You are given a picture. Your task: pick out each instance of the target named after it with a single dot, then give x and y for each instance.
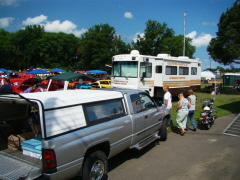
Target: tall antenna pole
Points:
(184, 29)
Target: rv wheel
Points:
(95, 166)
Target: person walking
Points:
(6, 85)
(182, 113)
(192, 100)
(168, 102)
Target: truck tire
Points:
(163, 131)
(95, 166)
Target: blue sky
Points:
(128, 17)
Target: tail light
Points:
(204, 115)
(49, 158)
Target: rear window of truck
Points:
(103, 111)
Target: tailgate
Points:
(14, 167)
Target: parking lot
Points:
(200, 155)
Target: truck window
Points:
(193, 71)
(171, 70)
(147, 68)
(146, 102)
(158, 69)
(183, 71)
(103, 111)
(136, 103)
(141, 102)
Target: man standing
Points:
(168, 102)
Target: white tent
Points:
(209, 74)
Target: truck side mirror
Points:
(143, 76)
(159, 103)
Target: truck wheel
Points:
(163, 131)
(95, 166)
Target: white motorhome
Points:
(151, 73)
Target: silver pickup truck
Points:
(63, 134)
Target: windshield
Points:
(125, 69)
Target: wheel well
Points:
(167, 117)
(104, 147)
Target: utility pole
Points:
(184, 30)
(210, 58)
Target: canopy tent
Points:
(3, 70)
(209, 74)
(58, 70)
(97, 72)
(37, 71)
(67, 76)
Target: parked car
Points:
(103, 84)
(75, 131)
(20, 85)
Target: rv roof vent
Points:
(163, 55)
(183, 57)
(135, 52)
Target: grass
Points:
(225, 103)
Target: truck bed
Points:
(14, 165)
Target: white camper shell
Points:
(69, 130)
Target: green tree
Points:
(26, 49)
(59, 50)
(154, 35)
(225, 48)
(174, 46)
(5, 50)
(98, 45)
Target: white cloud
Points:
(202, 40)
(78, 32)
(135, 37)
(55, 26)
(9, 3)
(65, 26)
(35, 20)
(128, 15)
(5, 22)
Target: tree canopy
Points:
(158, 38)
(33, 46)
(225, 48)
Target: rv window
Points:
(193, 71)
(158, 69)
(183, 71)
(147, 68)
(125, 69)
(171, 70)
(104, 111)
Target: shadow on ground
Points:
(233, 107)
(128, 155)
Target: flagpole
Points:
(184, 30)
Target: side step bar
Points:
(140, 145)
